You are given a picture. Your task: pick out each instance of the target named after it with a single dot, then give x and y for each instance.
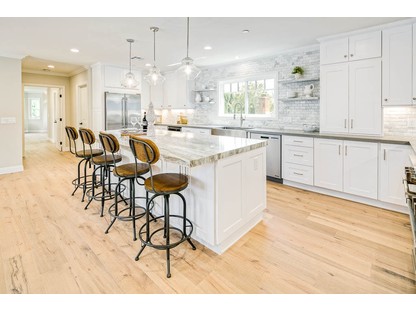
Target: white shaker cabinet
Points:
(351, 97)
(334, 98)
(392, 160)
(328, 164)
(352, 48)
(176, 91)
(397, 66)
(414, 63)
(346, 166)
(113, 76)
(365, 114)
(360, 168)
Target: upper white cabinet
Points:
(176, 91)
(352, 169)
(392, 160)
(351, 97)
(113, 76)
(353, 48)
(397, 66)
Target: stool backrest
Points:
(87, 138)
(144, 149)
(109, 142)
(72, 134)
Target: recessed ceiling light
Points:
(147, 65)
(245, 31)
(51, 66)
(74, 50)
(207, 47)
(237, 57)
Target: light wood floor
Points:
(307, 243)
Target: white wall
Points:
(11, 106)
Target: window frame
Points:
(246, 79)
(37, 101)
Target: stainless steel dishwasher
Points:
(273, 153)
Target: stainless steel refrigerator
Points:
(119, 108)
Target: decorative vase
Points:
(198, 97)
(297, 76)
(151, 120)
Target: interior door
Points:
(83, 106)
(56, 98)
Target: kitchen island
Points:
(226, 195)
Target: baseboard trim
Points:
(355, 198)
(12, 169)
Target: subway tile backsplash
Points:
(291, 114)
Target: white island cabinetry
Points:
(226, 195)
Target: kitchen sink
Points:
(230, 131)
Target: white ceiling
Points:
(103, 39)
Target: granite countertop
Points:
(193, 150)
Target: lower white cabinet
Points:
(328, 164)
(347, 166)
(198, 131)
(360, 168)
(392, 160)
(297, 159)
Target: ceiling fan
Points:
(179, 63)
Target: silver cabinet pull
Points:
(384, 154)
(297, 141)
(346, 150)
(352, 123)
(297, 155)
(297, 173)
(339, 149)
(345, 123)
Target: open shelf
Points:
(313, 98)
(293, 80)
(204, 90)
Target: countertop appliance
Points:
(410, 190)
(273, 154)
(119, 108)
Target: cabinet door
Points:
(360, 168)
(113, 76)
(156, 94)
(392, 160)
(334, 98)
(169, 91)
(397, 66)
(365, 97)
(364, 46)
(414, 64)
(334, 51)
(328, 158)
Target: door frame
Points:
(63, 106)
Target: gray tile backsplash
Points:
(291, 114)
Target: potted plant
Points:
(297, 71)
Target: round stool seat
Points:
(89, 153)
(166, 183)
(131, 170)
(106, 159)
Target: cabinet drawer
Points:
(201, 131)
(298, 155)
(298, 141)
(298, 173)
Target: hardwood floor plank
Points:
(306, 243)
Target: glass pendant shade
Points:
(188, 69)
(129, 80)
(154, 77)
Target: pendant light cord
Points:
(154, 47)
(130, 57)
(187, 37)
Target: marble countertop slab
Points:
(193, 150)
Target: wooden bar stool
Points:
(131, 172)
(103, 164)
(86, 155)
(163, 184)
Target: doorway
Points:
(82, 109)
(44, 114)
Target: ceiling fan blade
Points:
(179, 63)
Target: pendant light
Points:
(188, 68)
(154, 76)
(129, 80)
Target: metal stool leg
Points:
(148, 202)
(184, 221)
(167, 233)
(133, 207)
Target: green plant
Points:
(297, 70)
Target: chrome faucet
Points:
(241, 113)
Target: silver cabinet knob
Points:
(345, 56)
(414, 99)
(351, 55)
(385, 100)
